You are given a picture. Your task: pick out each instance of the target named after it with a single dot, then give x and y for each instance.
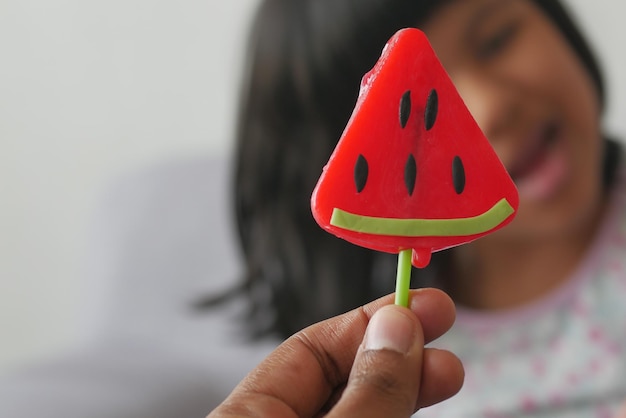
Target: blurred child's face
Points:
(535, 102)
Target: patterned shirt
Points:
(563, 355)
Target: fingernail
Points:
(389, 329)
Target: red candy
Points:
(412, 169)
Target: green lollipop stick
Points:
(403, 278)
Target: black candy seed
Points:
(410, 174)
(361, 170)
(432, 107)
(405, 108)
(458, 175)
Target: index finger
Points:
(301, 374)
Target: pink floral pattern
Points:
(562, 356)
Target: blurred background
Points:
(92, 90)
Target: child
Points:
(541, 327)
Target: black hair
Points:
(306, 60)
(568, 26)
(301, 82)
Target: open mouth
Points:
(534, 156)
(542, 166)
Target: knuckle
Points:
(382, 382)
(377, 376)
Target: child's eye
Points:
(497, 42)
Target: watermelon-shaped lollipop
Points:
(412, 173)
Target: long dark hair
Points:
(305, 62)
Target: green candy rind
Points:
(423, 227)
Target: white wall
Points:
(603, 21)
(89, 89)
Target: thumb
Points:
(393, 374)
(387, 371)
